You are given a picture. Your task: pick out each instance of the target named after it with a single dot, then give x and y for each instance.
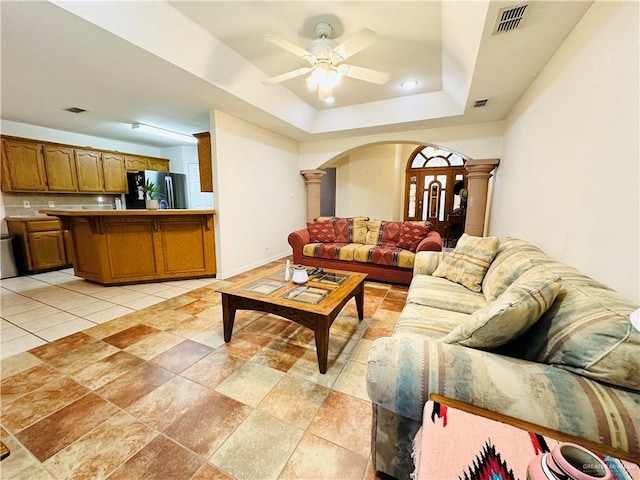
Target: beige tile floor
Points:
(40, 308)
(156, 393)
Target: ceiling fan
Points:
(325, 57)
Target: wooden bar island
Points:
(116, 247)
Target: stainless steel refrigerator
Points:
(173, 189)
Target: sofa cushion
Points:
(508, 264)
(511, 314)
(441, 293)
(469, 262)
(321, 231)
(383, 233)
(390, 256)
(586, 330)
(349, 229)
(427, 321)
(412, 233)
(333, 251)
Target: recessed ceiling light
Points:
(409, 84)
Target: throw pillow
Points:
(511, 314)
(321, 232)
(412, 234)
(469, 261)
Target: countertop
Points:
(125, 213)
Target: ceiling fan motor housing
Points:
(324, 30)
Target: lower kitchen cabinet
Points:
(130, 246)
(42, 242)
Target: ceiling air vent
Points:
(510, 18)
(75, 109)
(480, 103)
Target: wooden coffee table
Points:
(314, 305)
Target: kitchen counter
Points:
(130, 246)
(116, 213)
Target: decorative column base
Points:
(478, 175)
(312, 180)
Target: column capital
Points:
(312, 176)
(480, 168)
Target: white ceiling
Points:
(168, 64)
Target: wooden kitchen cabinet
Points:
(89, 170)
(37, 166)
(130, 246)
(23, 167)
(159, 164)
(204, 161)
(135, 163)
(61, 168)
(115, 173)
(42, 242)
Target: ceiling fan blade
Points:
(289, 47)
(286, 76)
(366, 74)
(357, 42)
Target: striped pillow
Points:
(511, 314)
(469, 262)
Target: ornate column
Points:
(312, 180)
(478, 175)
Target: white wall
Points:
(569, 171)
(259, 194)
(478, 141)
(369, 182)
(45, 134)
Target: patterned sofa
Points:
(384, 250)
(529, 341)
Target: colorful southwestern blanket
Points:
(452, 444)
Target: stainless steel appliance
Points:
(173, 189)
(8, 267)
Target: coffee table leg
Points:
(322, 345)
(359, 295)
(228, 316)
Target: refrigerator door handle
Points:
(169, 184)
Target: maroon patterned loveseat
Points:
(385, 250)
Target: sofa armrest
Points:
(403, 371)
(431, 243)
(298, 240)
(426, 263)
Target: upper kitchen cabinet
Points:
(136, 163)
(89, 169)
(159, 164)
(38, 166)
(115, 174)
(61, 168)
(204, 161)
(22, 166)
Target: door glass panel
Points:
(441, 210)
(412, 200)
(434, 200)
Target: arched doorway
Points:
(435, 191)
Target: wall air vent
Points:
(510, 18)
(75, 109)
(480, 103)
